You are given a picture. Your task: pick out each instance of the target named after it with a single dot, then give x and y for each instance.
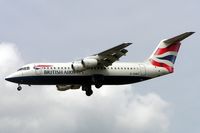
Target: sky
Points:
(66, 30)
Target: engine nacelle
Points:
(67, 87)
(84, 64)
(87, 62)
(77, 66)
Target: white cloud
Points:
(9, 57)
(145, 113)
(44, 109)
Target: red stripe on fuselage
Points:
(42, 66)
(173, 47)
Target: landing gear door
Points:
(142, 70)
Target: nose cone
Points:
(14, 77)
(7, 78)
(10, 78)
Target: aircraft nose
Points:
(14, 77)
(9, 78)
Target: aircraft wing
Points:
(111, 55)
(103, 59)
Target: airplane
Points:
(101, 69)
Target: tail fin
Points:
(166, 52)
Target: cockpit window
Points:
(19, 69)
(24, 68)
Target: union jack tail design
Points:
(166, 52)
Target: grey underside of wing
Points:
(111, 55)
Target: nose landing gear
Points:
(19, 88)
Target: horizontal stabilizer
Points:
(178, 38)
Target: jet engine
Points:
(89, 62)
(77, 66)
(67, 87)
(84, 64)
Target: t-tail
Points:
(166, 52)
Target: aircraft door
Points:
(38, 70)
(142, 69)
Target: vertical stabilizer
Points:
(166, 52)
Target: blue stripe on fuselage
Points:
(55, 80)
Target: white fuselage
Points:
(63, 74)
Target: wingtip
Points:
(127, 43)
(179, 37)
(190, 33)
(187, 34)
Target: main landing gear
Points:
(19, 88)
(96, 80)
(87, 89)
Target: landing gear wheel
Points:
(89, 92)
(88, 89)
(19, 88)
(97, 80)
(98, 86)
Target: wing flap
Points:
(111, 55)
(116, 48)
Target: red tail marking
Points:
(155, 63)
(173, 47)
